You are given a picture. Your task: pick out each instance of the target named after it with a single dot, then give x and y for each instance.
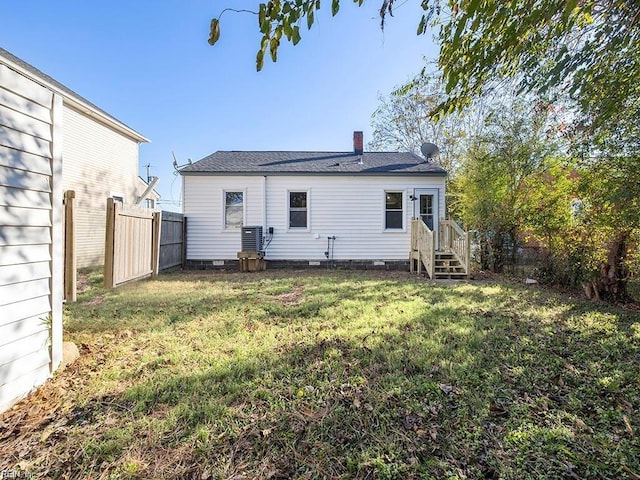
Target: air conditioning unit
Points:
(251, 239)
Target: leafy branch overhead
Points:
(278, 18)
(589, 49)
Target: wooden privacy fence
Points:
(132, 243)
(172, 240)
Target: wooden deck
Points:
(451, 260)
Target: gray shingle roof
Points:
(314, 163)
(63, 89)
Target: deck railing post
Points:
(467, 254)
(432, 262)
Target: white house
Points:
(51, 140)
(345, 207)
(99, 160)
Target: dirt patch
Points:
(94, 301)
(294, 297)
(82, 284)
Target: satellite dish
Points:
(429, 150)
(175, 162)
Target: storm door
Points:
(425, 207)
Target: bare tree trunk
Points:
(497, 253)
(612, 284)
(484, 253)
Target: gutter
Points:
(316, 174)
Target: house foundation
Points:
(234, 265)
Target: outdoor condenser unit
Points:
(251, 239)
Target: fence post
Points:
(108, 244)
(70, 270)
(155, 243)
(184, 242)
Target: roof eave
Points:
(98, 115)
(343, 174)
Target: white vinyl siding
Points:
(30, 235)
(349, 207)
(203, 200)
(98, 163)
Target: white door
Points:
(425, 207)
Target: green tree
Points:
(553, 221)
(494, 183)
(589, 50)
(610, 183)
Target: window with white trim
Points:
(298, 209)
(233, 209)
(394, 211)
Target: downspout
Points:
(264, 203)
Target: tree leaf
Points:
(273, 48)
(265, 27)
(335, 6)
(288, 30)
(421, 25)
(309, 19)
(295, 36)
(214, 31)
(259, 60)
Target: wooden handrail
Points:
(422, 247)
(455, 240)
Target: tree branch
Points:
(236, 11)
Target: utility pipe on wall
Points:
(264, 204)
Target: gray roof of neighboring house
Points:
(64, 90)
(312, 163)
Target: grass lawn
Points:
(335, 374)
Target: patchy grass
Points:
(335, 375)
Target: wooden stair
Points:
(447, 267)
(450, 262)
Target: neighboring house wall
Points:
(98, 162)
(350, 207)
(30, 235)
(100, 159)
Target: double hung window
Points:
(394, 211)
(298, 209)
(233, 209)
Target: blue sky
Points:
(149, 65)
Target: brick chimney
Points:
(357, 143)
